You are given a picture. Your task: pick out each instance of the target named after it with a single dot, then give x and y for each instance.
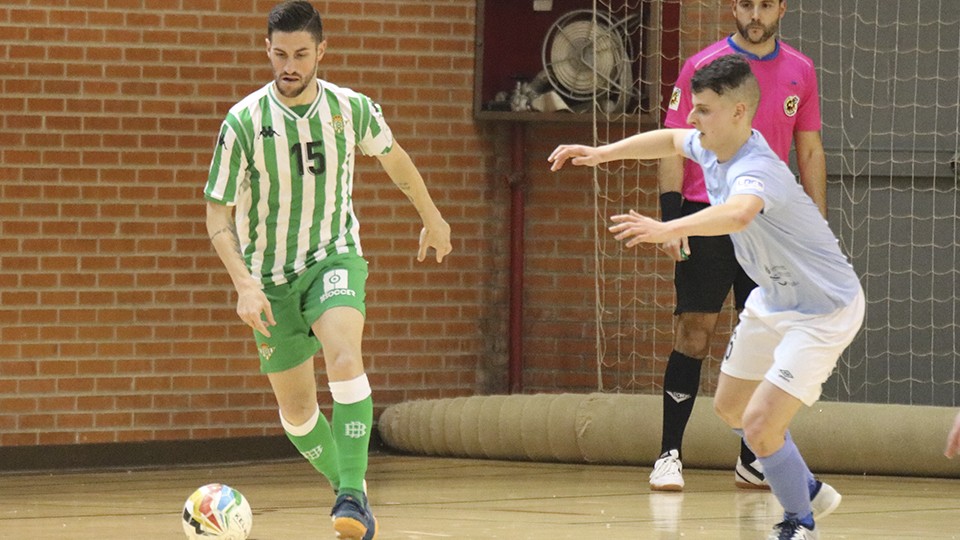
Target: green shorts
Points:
(335, 281)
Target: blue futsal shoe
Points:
(792, 529)
(353, 519)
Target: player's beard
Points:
(768, 31)
(295, 91)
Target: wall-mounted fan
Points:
(587, 57)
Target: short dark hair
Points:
(295, 16)
(723, 74)
(728, 74)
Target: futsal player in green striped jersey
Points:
(280, 216)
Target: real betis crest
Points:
(337, 124)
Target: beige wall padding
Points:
(850, 438)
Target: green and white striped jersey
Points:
(291, 176)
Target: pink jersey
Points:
(789, 101)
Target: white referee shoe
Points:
(667, 472)
(750, 476)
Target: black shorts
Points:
(704, 280)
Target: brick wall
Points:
(117, 320)
(704, 22)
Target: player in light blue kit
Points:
(808, 305)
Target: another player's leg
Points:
(804, 353)
(787, 473)
(748, 472)
(765, 423)
(296, 391)
(702, 283)
(287, 359)
(340, 330)
(824, 499)
(681, 382)
(755, 407)
(808, 351)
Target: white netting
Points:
(634, 287)
(890, 87)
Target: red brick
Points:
(108, 231)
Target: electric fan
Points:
(587, 58)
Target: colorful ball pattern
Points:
(217, 511)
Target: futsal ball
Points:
(217, 511)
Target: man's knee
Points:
(694, 333)
(297, 411)
(728, 410)
(343, 364)
(762, 437)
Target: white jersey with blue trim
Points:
(788, 249)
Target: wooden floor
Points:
(430, 498)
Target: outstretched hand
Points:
(634, 228)
(578, 154)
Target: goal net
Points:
(889, 76)
(890, 88)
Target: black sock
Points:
(680, 384)
(746, 454)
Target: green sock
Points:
(317, 446)
(351, 427)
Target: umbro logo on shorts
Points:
(785, 375)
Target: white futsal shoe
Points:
(667, 472)
(824, 500)
(750, 476)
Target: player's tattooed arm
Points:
(253, 308)
(404, 174)
(406, 189)
(223, 235)
(230, 232)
